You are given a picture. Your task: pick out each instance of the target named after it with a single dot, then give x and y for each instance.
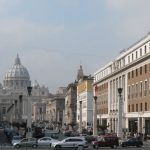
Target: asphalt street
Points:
(5, 145)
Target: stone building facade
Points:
(55, 107)
(71, 104)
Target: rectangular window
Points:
(128, 108)
(141, 107)
(145, 68)
(136, 54)
(140, 51)
(145, 106)
(136, 90)
(132, 91)
(132, 57)
(123, 61)
(129, 92)
(145, 49)
(132, 74)
(140, 70)
(136, 72)
(132, 107)
(141, 87)
(128, 75)
(136, 107)
(145, 88)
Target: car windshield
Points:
(100, 139)
(17, 138)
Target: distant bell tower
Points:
(80, 73)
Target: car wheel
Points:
(138, 145)
(80, 147)
(96, 146)
(115, 146)
(123, 145)
(34, 145)
(50, 145)
(17, 146)
(57, 147)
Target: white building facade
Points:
(85, 101)
(131, 72)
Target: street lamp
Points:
(20, 107)
(80, 123)
(95, 115)
(119, 133)
(29, 113)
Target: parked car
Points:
(46, 141)
(70, 142)
(26, 142)
(132, 142)
(106, 141)
(52, 134)
(16, 139)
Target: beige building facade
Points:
(55, 107)
(85, 101)
(70, 104)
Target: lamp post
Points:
(20, 107)
(119, 133)
(95, 115)
(29, 113)
(80, 123)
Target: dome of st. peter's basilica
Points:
(17, 77)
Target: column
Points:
(119, 133)
(143, 127)
(29, 113)
(126, 123)
(20, 108)
(63, 117)
(116, 121)
(58, 116)
(139, 127)
(95, 116)
(80, 122)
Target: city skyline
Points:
(53, 38)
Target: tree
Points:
(102, 128)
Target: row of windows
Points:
(138, 53)
(118, 64)
(102, 87)
(137, 107)
(102, 102)
(102, 111)
(139, 89)
(139, 71)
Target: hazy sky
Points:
(53, 37)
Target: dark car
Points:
(132, 142)
(106, 141)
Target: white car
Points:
(16, 139)
(70, 142)
(46, 141)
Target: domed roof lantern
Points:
(80, 73)
(17, 76)
(17, 60)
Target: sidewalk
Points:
(146, 143)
